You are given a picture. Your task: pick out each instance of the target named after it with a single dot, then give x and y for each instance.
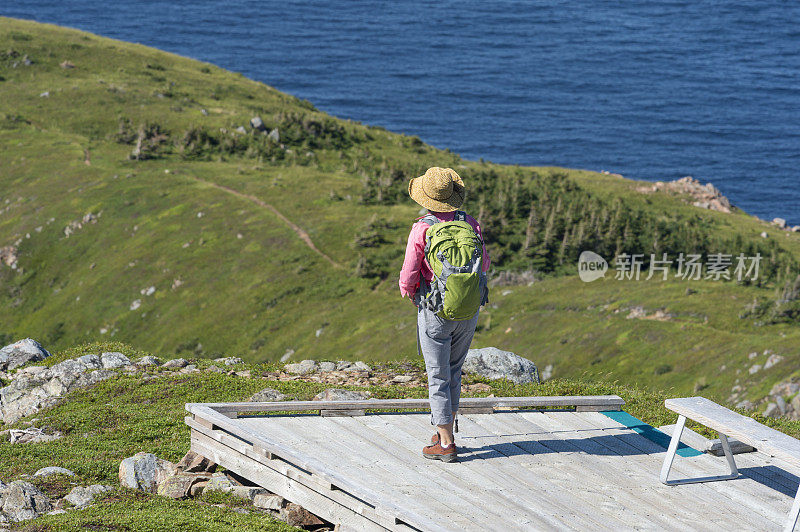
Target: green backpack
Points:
(455, 253)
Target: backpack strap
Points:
(429, 219)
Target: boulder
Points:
(772, 410)
(296, 515)
(780, 222)
(114, 360)
(327, 366)
(746, 405)
(183, 485)
(148, 361)
(772, 360)
(268, 501)
(257, 123)
(781, 404)
(22, 500)
(274, 135)
(338, 394)
(221, 482)
(301, 368)
(246, 492)
(53, 470)
(755, 368)
(195, 463)
(267, 395)
(492, 363)
(229, 361)
(144, 471)
(31, 435)
(20, 353)
(795, 403)
(80, 497)
(175, 363)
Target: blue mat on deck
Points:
(649, 432)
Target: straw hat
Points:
(438, 190)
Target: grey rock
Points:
(780, 222)
(755, 368)
(91, 361)
(21, 353)
(772, 410)
(267, 395)
(257, 123)
(114, 360)
(100, 375)
(547, 372)
(301, 368)
(245, 492)
(327, 366)
(189, 368)
(214, 369)
(148, 361)
(144, 471)
(220, 482)
(274, 135)
(342, 365)
(492, 363)
(361, 366)
(752, 355)
(338, 394)
(22, 500)
(31, 435)
(795, 403)
(268, 501)
(175, 363)
(53, 470)
(782, 406)
(241, 130)
(772, 360)
(229, 361)
(79, 497)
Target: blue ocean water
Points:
(651, 90)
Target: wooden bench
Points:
(730, 424)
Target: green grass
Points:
(266, 292)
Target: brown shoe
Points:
(437, 452)
(435, 438)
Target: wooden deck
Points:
(518, 470)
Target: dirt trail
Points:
(261, 203)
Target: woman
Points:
(443, 342)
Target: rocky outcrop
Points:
(704, 196)
(492, 363)
(9, 256)
(36, 387)
(20, 353)
(76, 225)
(81, 497)
(267, 395)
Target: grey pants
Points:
(444, 345)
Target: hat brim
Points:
(451, 204)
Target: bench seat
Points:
(731, 424)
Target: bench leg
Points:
(794, 513)
(673, 448)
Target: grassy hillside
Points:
(254, 246)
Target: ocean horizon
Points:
(649, 91)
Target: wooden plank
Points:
(626, 471)
(760, 501)
(341, 413)
(309, 480)
(447, 479)
(631, 466)
(743, 428)
(605, 402)
(573, 479)
(383, 505)
(496, 497)
(291, 490)
(354, 458)
(536, 493)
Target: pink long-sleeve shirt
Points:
(415, 262)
